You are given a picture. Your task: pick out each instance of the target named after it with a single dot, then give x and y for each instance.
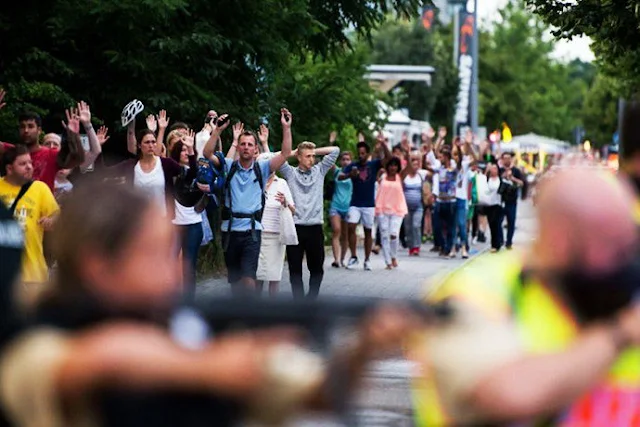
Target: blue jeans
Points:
(447, 215)
(413, 228)
(460, 229)
(190, 239)
(510, 211)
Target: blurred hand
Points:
(163, 120)
(281, 199)
(263, 134)
(238, 128)
(46, 222)
(189, 138)
(152, 124)
(103, 134)
(354, 173)
(442, 132)
(73, 120)
(84, 113)
(333, 136)
(286, 118)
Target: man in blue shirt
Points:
(364, 174)
(243, 199)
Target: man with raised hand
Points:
(243, 198)
(307, 188)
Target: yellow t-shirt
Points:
(37, 203)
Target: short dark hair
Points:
(178, 125)
(506, 153)
(363, 144)
(393, 161)
(249, 133)
(397, 147)
(11, 154)
(30, 115)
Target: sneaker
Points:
(353, 263)
(482, 238)
(367, 265)
(424, 238)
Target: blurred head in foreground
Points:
(587, 239)
(113, 245)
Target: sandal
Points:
(335, 265)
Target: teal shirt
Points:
(342, 193)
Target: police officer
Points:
(548, 333)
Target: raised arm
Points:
(95, 148)
(132, 144)
(209, 149)
(163, 123)
(238, 128)
(72, 154)
(330, 156)
(263, 135)
(279, 159)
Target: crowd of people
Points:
(547, 333)
(451, 193)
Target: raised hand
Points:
(468, 137)
(2, 94)
(431, 133)
(280, 198)
(442, 132)
(189, 138)
(163, 120)
(73, 120)
(263, 134)
(84, 113)
(103, 134)
(222, 122)
(285, 118)
(238, 128)
(152, 124)
(333, 136)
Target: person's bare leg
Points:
(273, 288)
(368, 243)
(353, 240)
(336, 225)
(344, 241)
(248, 283)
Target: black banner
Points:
(467, 32)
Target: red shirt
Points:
(45, 164)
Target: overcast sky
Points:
(577, 48)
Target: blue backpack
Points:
(212, 176)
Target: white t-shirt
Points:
(494, 198)
(271, 214)
(152, 183)
(462, 181)
(186, 216)
(417, 179)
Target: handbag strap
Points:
(21, 193)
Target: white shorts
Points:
(271, 259)
(364, 216)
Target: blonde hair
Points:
(306, 145)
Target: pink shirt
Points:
(390, 199)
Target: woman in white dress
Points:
(272, 250)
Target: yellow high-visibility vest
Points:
(545, 326)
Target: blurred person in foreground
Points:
(549, 333)
(100, 352)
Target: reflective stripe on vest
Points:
(493, 283)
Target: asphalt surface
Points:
(384, 398)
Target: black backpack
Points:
(227, 212)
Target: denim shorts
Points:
(335, 212)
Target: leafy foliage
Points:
(521, 85)
(185, 56)
(611, 25)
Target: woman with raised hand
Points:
(391, 208)
(190, 203)
(152, 173)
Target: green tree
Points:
(600, 112)
(408, 43)
(519, 82)
(186, 56)
(611, 25)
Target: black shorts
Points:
(480, 210)
(241, 257)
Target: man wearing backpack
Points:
(243, 199)
(32, 204)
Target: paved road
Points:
(384, 399)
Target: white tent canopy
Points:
(533, 143)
